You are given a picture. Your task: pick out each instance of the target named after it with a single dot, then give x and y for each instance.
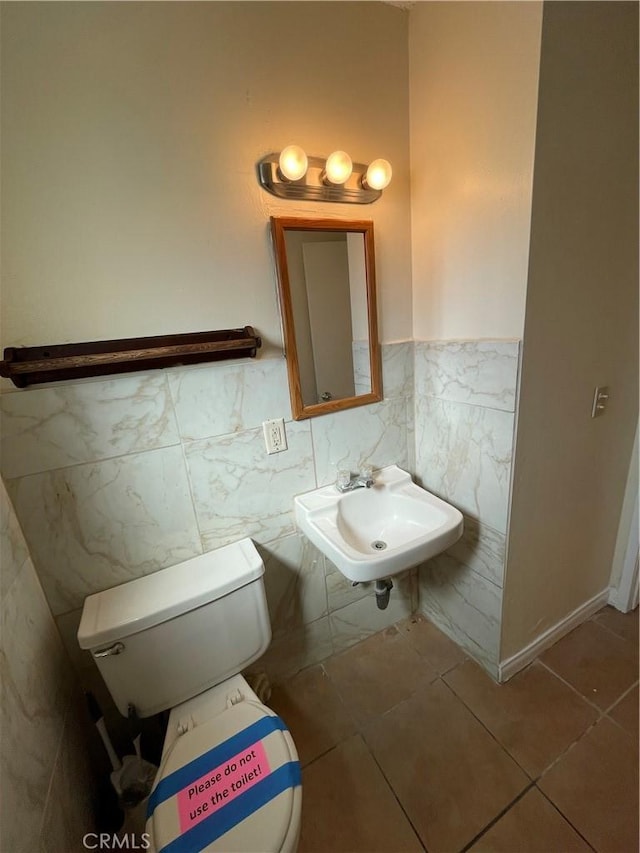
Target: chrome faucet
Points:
(347, 482)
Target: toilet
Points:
(229, 778)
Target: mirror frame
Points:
(279, 226)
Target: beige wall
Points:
(582, 320)
(130, 204)
(473, 83)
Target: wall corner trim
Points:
(509, 667)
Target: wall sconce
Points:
(291, 174)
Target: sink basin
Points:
(370, 534)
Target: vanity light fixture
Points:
(291, 174)
(338, 168)
(378, 175)
(293, 163)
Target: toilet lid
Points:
(227, 784)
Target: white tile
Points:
(47, 428)
(375, 434)
(397, 369)
(483, 373)
(302, 648)
(226, 398)
(361, 367)
(94, 526)
(482, 549)
(294, 582)
(67, 625)
(239, 490)
(341, 591)
(463, 454)
(466, 606)
(13, 548)
(411, 435)
(362, 618)
(69, 812)
(35, 687)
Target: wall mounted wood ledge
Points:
(30, 365)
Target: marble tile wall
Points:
(41, 808)
(116, 478)
(465, 401)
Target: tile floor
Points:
(407, 745)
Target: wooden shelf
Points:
(30, 365)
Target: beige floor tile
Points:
(348, 807)
(595, 786)
(313, 711)
(600, 665)
(441, 653)
(451, 777)
(625, 713)
(532, 825)
(517, 713)
(625, 625)
(376, 674)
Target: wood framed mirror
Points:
(327, 291)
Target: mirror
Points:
(327, 290)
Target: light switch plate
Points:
(600, 400)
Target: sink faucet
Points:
(347, 481)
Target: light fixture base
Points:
(311, 188)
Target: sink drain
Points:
(378, 545)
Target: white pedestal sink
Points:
(371, 534)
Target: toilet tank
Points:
(164, 638)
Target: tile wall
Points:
(116, 478)
(465, 400)
(45, 778)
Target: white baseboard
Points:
(509, 667)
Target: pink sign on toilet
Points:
(221, 785)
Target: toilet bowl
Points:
(229, 778)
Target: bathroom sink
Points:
(373, 533)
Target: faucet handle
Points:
(344, 478)
(366, 472)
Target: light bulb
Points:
(293, 163)
(378, 175)
(338, 167)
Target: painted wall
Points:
(582, 320)
(131, 133)
(473, 84)
(45, 780)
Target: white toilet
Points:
(229, 778)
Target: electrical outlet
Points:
(275, 437)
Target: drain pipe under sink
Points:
(383, 591)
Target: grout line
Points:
(450, 402)
(362, 724)
(564, 817)
(498, 816)
(393, 792)
(570, 686)
(97, 461)
(327, 751)
(187, 467)
(621, 697)
(593, 705)
(489, 732)
(606, 627)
